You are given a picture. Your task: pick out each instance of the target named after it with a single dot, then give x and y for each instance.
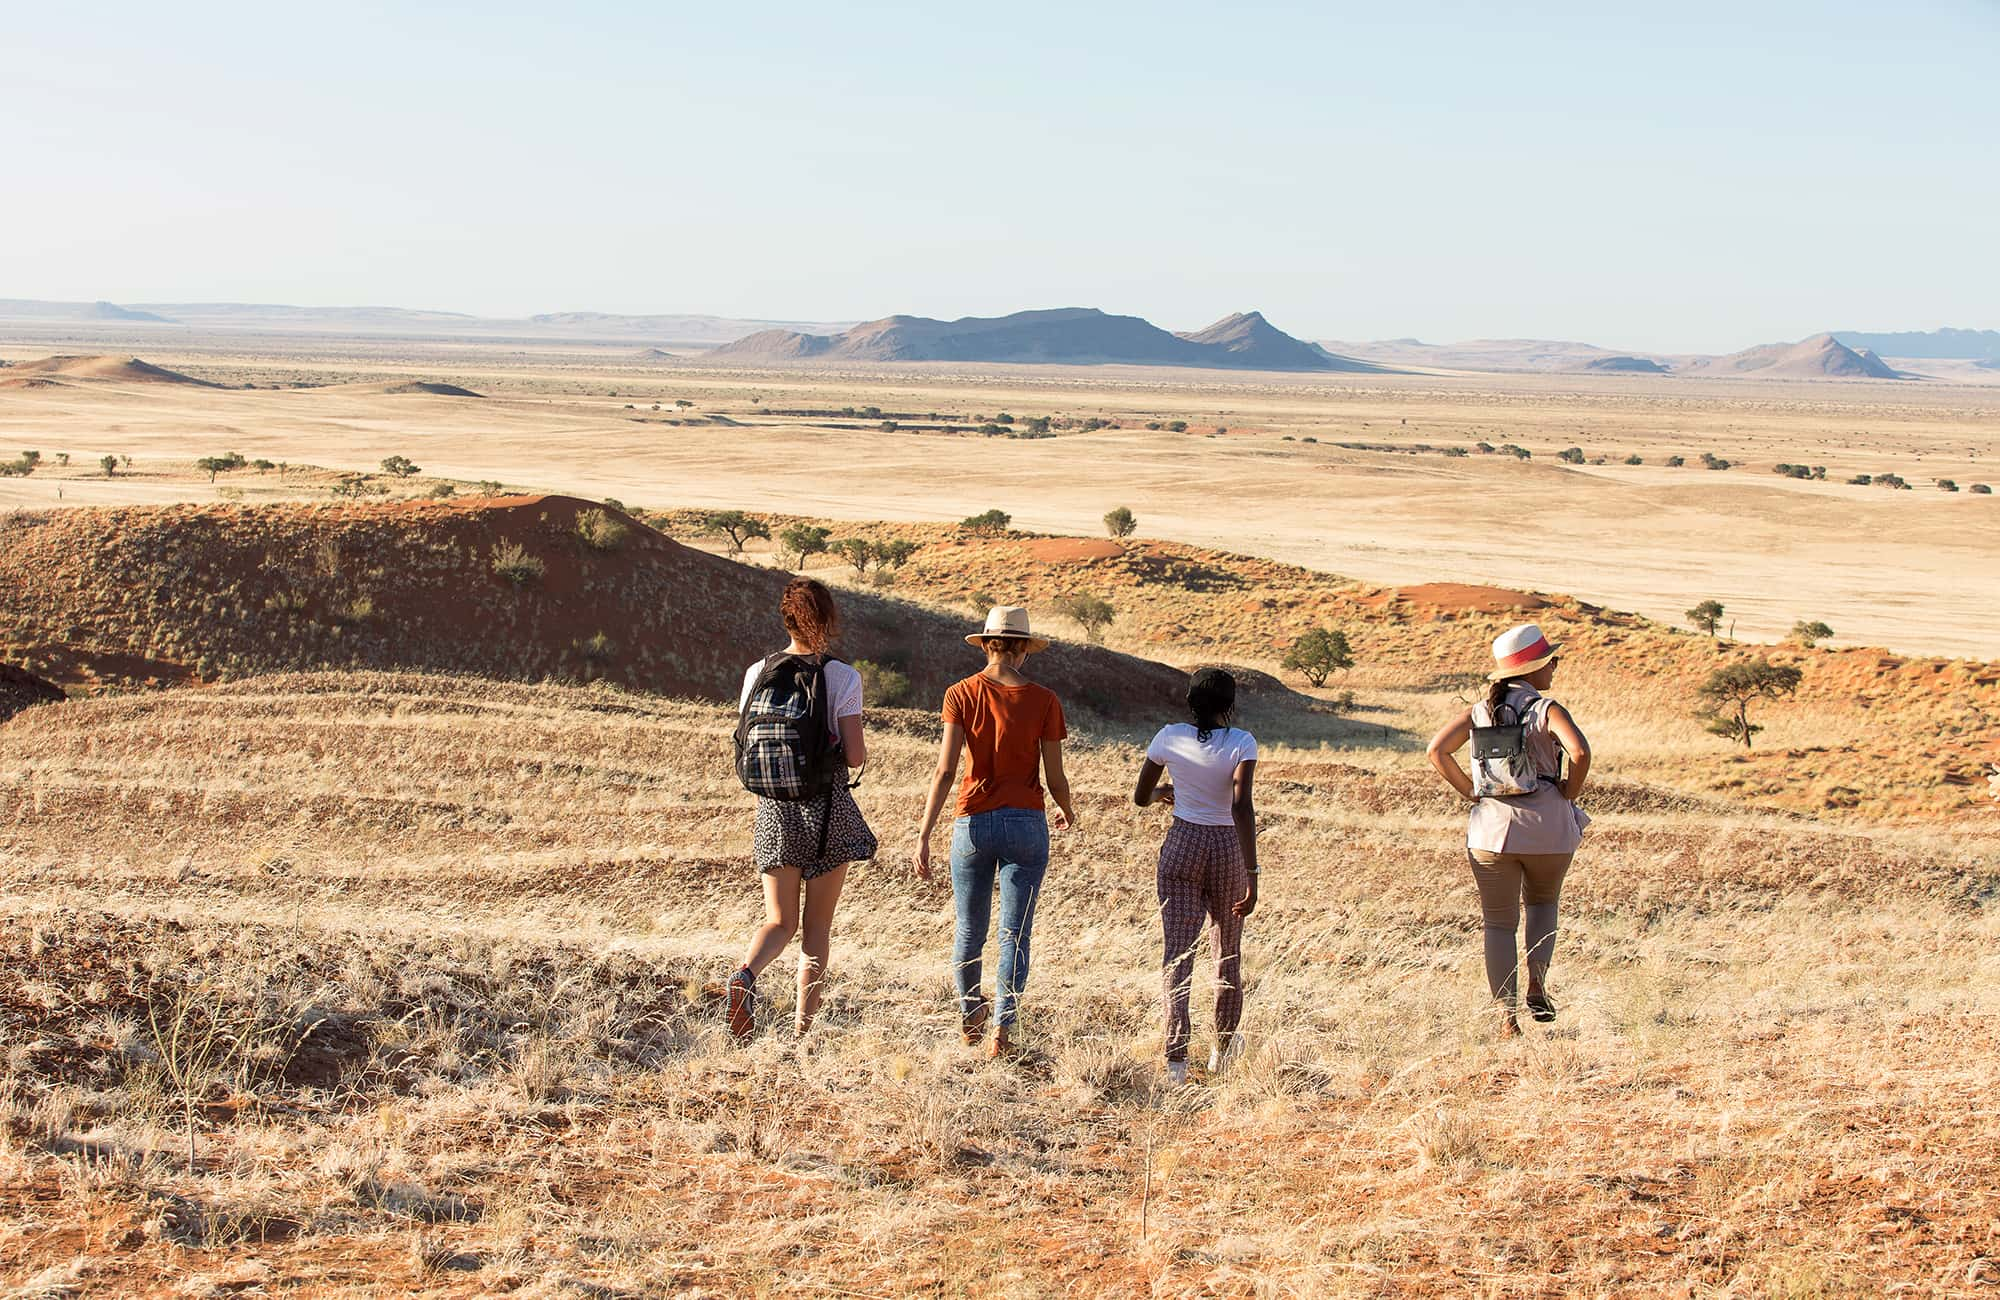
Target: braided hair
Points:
(1211, 698)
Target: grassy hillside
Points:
(459, 940)
(1870, 735)
(522, 588)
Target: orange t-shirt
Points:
(1004, 730)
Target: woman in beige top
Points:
(1521, 844)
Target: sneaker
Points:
(1223, 1055)
(1176, 1073)
(974, 1026)
(742, 1003)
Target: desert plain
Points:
(365, 906)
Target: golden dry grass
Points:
(458, 936)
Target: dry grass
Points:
(455, 941)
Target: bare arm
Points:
(1243, 811)
(1571, 738)
(1443, 753)
(1052, 772)
(1149, 791)
(947, 772)
(852, 743)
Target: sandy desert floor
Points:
(1371, 497)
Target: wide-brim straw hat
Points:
(1519, 651)
(1010, 621)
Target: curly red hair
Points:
(809, 614)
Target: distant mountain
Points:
(30, 309)
(1502, 355)
(1624, 365)
(1063, 335)
(402, 321)
(1820, 357)
(1940, 344)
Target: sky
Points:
(1691, 177)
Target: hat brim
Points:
(1035, 644)
(1522, 670)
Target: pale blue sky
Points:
(1695, 176)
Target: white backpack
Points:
(1501, 763)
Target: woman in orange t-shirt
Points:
(1013, 731)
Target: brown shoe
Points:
(999, 1046)
(742, 1004)
(974, 1026)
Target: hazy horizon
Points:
(1694, 181)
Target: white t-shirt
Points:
(843, 691)
(1203, 774)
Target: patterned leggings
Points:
(1201, 878)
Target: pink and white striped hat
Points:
(1519, 651)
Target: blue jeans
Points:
(1012, 845)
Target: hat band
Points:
(1526, 656)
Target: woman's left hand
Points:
(1248, 903)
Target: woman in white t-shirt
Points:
(802, 849)
(1208, 866)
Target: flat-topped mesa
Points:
(1055, 336)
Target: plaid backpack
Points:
(1501, 763)
(785, 747)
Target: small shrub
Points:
(1570, 455)
(1635, 459)
(1120, 522)
(1177, 426)
(512, 562)
(882, 685)
(490, 487)
(443, 490)
(1810, 633)
(110, 466)
(355, 609)
(1456, 452)
(1981, 489)
(1947, 485)
(1676, 461)
(1710, 460)
(598, 648)
(599, 531)
(1862, 480)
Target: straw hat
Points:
(1010, 621)
(1519, 651)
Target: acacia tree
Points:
(1092, 613)
(213, 465)
(1318, 654)
(1707, 616)
(803, 541)
(400, 466)
(856, 551)
(894, 555)
(1729, 691)
(738, 527)
(1808, 633)
(110, 464)
(989, 524)
(1120, 522)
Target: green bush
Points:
(599, 531)
(512, 562)
(882, 685)
(1120, 522)
(989, 524)
(738, 527)
(803, 541)
(1092, 613)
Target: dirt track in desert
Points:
(1917, 571)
